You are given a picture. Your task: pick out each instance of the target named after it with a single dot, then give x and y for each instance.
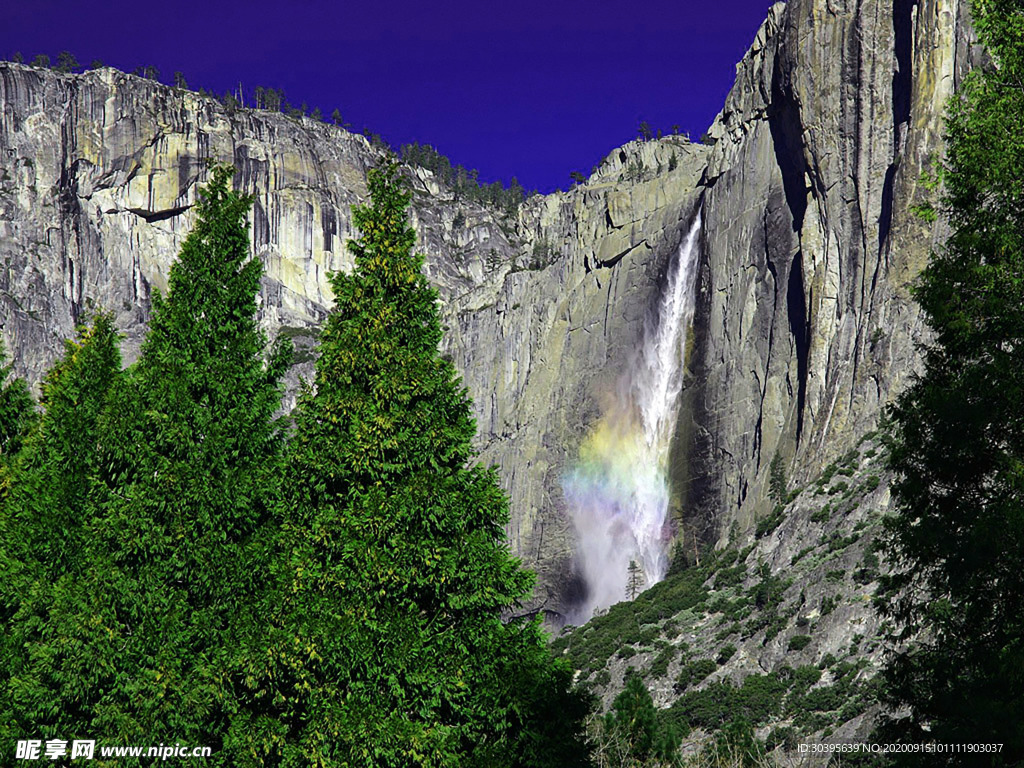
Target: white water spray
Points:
(618, 490)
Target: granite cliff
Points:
(804, 326)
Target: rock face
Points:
(804, 326)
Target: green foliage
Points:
(736, 745)
(757, 700)
(634, 720)
(766, 596)
(828, 604)
(769, 590)
(41, 519)
(725, 653)
(957, 432)
(798, 642)
(814, 708)
(837, 542)
(801, 554)
(786, 737)
(868, 571)
(694, 673)
(66, 62)
(730, 577)
(845, 466)
(50, 483)
(659, 667)
(805, 676)
(464, 183)
(678, 592)
(768, 524)
(931, 180)
(387, 646)
(17, 413)
(635, 170)
(171, 495)
(542, 254)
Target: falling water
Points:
(618, 489)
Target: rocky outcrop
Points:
(804, 325)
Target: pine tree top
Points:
(381, 384)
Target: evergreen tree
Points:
(41, 531)
(634, 717)
(958, 435)
(633, 723)
(634, 580)
(144, 629)
(52, 479)
(17, 412)
(388, 648)
(66, 62)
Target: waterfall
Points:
(618, 489)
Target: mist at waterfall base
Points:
(617, 491)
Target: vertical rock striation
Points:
(806, 326)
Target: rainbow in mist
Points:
(618, 490)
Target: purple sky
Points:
(532, 89)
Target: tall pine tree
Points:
(41, 517)
(389, 647)
(51, 486)
(144, 628)
(958, 438)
